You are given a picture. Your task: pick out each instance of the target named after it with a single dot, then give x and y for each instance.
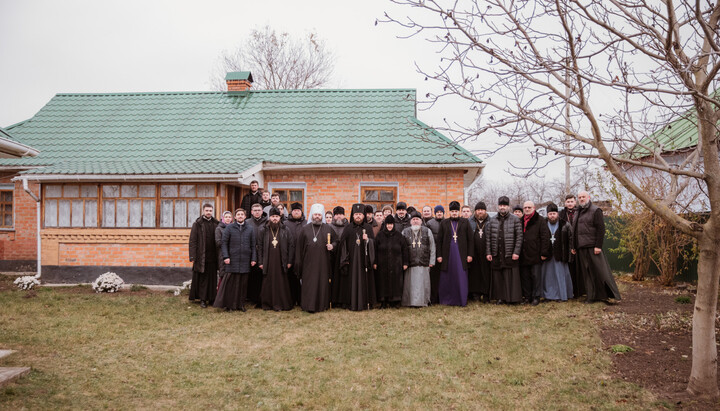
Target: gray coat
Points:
(513, 236)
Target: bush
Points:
(183, 287)
(27, 282)
(621, 349)
(107, 283)
(683, 299)
(138, 287)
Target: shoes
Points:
(498, 302)
(203, 304)
(242, 308)
(588, 302)
(535, 301)
(227, 309)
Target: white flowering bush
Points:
(107, 283)
(184, 286)
(27, 282)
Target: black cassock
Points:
(479, 272)
(390, 255)
(357, 283)
(314, 265)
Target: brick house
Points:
(121, 177)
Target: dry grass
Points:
(152, 350)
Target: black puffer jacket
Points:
(513, 236)
(589, 227)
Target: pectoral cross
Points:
(552, 239)
(274, 242)
(455, 237)
(480, 230)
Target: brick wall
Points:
(132, 255)
(21, 242)
(416, 188)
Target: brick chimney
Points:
(238, 80)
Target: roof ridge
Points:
(162, 93)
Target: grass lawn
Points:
(153, 350)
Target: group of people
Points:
(263, 255)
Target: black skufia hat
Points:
(295, 206)
(358, 208)
(454, 206)
(274, 211)
(338, 210)
(504, 200)
(552, 207)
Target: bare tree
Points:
(278, 61)
(622, 70)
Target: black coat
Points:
(536, 241)
(286, 243)
(401, 223)
(249, 199)
(391, 254)
(464, 241)
(562, 242)
(218, 244)
(239, 246)
(197, 244)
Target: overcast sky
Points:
(83, 46)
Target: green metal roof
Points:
(239, 75)
(679, 134)
(156, 133)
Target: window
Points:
(71, 205)
(378, 197)
(115, 205)
(291, 195)
(181, 204)
(6, 209)
(128, 205)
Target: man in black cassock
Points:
(276, 253)
(434, 226)
(593, 267)
(295, 221)
(253, 197)
(203, 255)
(356, 259)
(479, 270)
(503, 241)
(339, 222)
(257, 219)
(568, 214)
(402, 217)
(314, 248)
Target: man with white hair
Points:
(420, 244)
(314, 249)
(593, 267)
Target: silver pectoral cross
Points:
(480, 230)
(552, 239)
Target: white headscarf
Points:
(316, 209)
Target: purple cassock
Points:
(453, 286)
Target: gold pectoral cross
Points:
(274, 242)
(413, 243)
(455, 237)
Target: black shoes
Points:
(203, 304)
(535, 301)
(242, 308)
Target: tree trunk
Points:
(703, 376)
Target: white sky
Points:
(85, 46)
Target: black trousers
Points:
(531, 281)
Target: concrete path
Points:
(9, 374)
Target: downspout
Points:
(37, 202)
